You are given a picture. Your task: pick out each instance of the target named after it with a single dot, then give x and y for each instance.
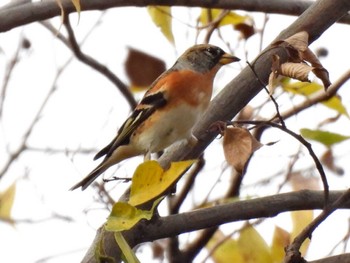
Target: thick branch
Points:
(21, 13)
(173, 225)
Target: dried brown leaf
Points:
(299, 71)
(328, 161)
(142, 69)
(323, 75)
(239, 145)
(298, 51)
(318, 70)
(299, 41)
(246, 30)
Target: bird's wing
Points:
(147, 106)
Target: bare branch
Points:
(173, 225)
(98, 66)
(12, 16)
(23, 146)
(292, 251)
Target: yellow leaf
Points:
(225, 249)
(6, 202)
(302, 88)
(280, 240)
(150, 180)
(253, 247)
(129, 255)
(336, 104)
(307, 89)
(124, 216)
(161, 16)
(77, 6)
(300, 220)
(232, 18)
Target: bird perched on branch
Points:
(168, 111)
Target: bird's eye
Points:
(212, 51)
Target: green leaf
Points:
(150, 180)
(161, 16)
(129, 255)
(324, 137)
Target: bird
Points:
(168, 110)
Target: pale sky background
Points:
(86, 110)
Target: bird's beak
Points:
(227, 58)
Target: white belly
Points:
(170, 127)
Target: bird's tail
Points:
(90, 177)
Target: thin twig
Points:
(23, 146)
(213, 24)
(97, 66)
(292, 251)
(307, 145)
(9, 69)
(278, 114)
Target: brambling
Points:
(168, 111)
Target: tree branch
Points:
(270, 206)
(292, 251)
(97, 66)
(24, 12)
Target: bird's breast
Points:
(165, 127)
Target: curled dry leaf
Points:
(298, 52)
(328, 160)
(318, 69)
(239, 145)
(299, 71)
